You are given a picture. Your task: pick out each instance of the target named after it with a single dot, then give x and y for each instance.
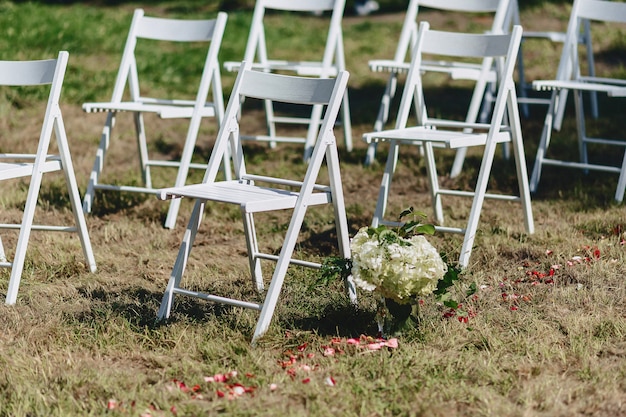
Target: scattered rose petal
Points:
(392, 343)
(328, 351)
(330, 381)
(111, 405)
(513, 308)
(306, 380)
(273, 387)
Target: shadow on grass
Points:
(137, 306)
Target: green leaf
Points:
(405, 213)
(472, 289)
(333, 268)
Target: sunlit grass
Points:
(547, 327)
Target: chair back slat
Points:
(287, 89)
(14, 73)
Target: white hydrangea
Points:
(395, 270)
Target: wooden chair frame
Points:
(34, 165)
(570, 78)
(430, 133)
(127, 80)
(332, 61)
(261, 193)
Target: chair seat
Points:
(446, 139)
(611, 87)
(178, 109)
(252, 198)
(25, 169)
(456, 70)
(305, 68)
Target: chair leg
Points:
(477, 204)
(72, 189)
(621, 183)
(282, 264)
(341, 220)
(3, 256)
(582, 129)
(383, 115)
(22, 240)
(253, 250)
(347, 122)
(181, 260)
(271, 124)
(183, 169)
(98, 165)
(313, 129)
(143, 150)
(481, 96)
(431, 170)
(544, 142)
(519, 156)
(522, 81)
(385, 185)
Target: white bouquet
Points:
(395, 267)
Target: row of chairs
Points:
(495, 53)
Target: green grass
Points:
(75, 342)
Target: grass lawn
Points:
(544, 334)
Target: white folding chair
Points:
(570, 78)
(262, 193)
(499, 9)
(437, 133)
(166, 30)
(33, 164)
(524, 86)
(258, 53)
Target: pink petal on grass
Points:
(330, 381)
(220, 378)
(392, 343)
(353, 341)
(111, 405)
(328, 351)
(273, 387)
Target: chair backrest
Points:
(485, 47)
(256, 47)
(27, 164)
(582, 12)
(408, 36)
(172, 30)
(326, 92)
(46, 72)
